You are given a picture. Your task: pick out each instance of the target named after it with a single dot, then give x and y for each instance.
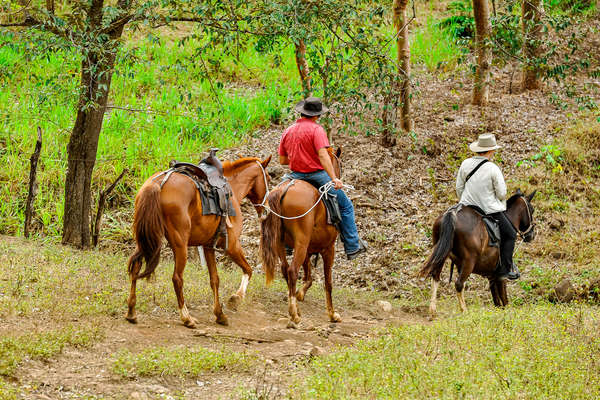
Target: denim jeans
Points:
(348, 229)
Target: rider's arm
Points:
(283, 155)
(284, 160)
(460, 183)
(328, 167)
(499, 184)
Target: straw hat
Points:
(485, 142)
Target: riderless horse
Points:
(175, 211)
(297, 218)
(461, 234)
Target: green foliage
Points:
(549, 155)
(180, 362)
(435, 47)
(461, 24)
(7, 391)
(535, 351)
(41, 346)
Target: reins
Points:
(322, 190)
(531, 224)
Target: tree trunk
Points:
(481, 10)
(96, 77)
(303, 70)
(403, 60)
(532, 31)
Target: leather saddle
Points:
(491, 225)
(209, 169)
(332, 208)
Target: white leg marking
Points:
(461, 301)
(244, 285)
(184, 314)
(201, 255)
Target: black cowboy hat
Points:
(311, 106)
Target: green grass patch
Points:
(179, 361)
(434, 47)
(7, 391)
(41, 346)
(536, 351)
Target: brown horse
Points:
(308, 235)
(460, 233)
(175, 211)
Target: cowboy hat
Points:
(485, 142)
(311, 106)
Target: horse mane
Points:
(513, 198)
(230, 166)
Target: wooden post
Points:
(32, 182)
(101, 200)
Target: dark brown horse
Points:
(175, 211)
(308, 235)
(460, 233)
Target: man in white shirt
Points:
(480, 183)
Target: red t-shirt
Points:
(301, 143)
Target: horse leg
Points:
(328, 255)
(465, 271)
(435, 283)
(494, 291)
(180, 252)
(237, 256)
(502, 293)
(211, 263)
(292, 275)
(131, 315)
(307, 279)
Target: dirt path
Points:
(255, 329)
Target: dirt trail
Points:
(254, 329)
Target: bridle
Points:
(531, 226)
(264, 200)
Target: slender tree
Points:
(481, 11)
(303, 69)
(532, 11)
(403, 59)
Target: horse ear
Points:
(266, 161)
(519, 191)
(338, 152)
(530, 197)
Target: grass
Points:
(41, 346)
(179, 362)
(535, 351)
(187, 114)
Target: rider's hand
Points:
(337, 183)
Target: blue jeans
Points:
(348, 229)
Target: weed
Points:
(179, 361)
(536, 351)
(42, 346)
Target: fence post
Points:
(32, 182)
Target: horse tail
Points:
(270, 240)
(442, 248)
(148, 231)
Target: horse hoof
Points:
(300, 295)
(335, 317)
(191, 323)
(222, 320)
(234, 302)
(292, 325)
(132, 320)
(432, 311)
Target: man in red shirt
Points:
(303, 147)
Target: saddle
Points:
(491, 225)
(213, 187)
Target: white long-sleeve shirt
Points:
(485, 189)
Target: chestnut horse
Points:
(175, 211)
(308, 235)
(460, 233)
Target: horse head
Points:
(524, 209)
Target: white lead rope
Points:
(323, 190)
